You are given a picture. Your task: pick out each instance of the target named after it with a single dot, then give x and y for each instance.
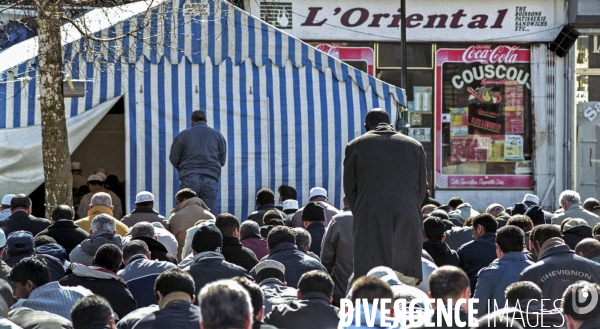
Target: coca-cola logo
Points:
(484, 54)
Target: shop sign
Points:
(426, 20)
(482, 97)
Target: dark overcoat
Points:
(384, 183)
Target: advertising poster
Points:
(423, 99)
(482, 110)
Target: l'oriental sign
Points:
(426, 20)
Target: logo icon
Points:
(584, 297)
(278, 14)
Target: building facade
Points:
(485, 95)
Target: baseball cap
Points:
(318, 191)
(6, 199)
(95, 178)
(270, 264)
(20, 241)
(144, 196)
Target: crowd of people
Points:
(285, 266)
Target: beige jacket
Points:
(184, 216)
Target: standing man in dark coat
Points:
(198, 153)
(385, 183)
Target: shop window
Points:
(483, 116)
(417, 55)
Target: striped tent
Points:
(286, 109)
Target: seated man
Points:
(370, 288)
(144, 231)
(316, 194)
(586, 313)
(233, 250)
(265, 201)
(103, 280)
(225, 304)
(144, 211)
(304, 241)
(270, 275)
(101, 203)
(21, 218)
(64, 230)
(31, 284)
(494, 279)
(20, 244)
(313, 219)
(251, 239)
(256, 297)
(103, 231)
(477, 254)
(313, 308)
(448, 284)
(175, 291)
(556, 257)
(282, 248)
(589, 248)
(433, 242)
(140, 272)
(209, 264)
(92, 312)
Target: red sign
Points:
(484, 54)
(364, 54)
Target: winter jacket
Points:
(258, 215)
(557, 268)
(144, 214)
(199, 149)
(54, 298)
(84, 253)
(493, 280)
(4, 271)
(55, 250)
(129, 321)
(576, 234)
(104, 283)
(475, 255)
(330, 211)
(312, 310)
(165, 237)
(337, 252)
(86, 222)
(276, 293)
(235, 253)
(4, 214)
(183, 217)
(441, 253)
(140, 275)
(257, 244)
(211, 266)
(178, 315)
(22, 221)
(66, 233)
(157, 249)
(28, 318)
(295, 261)
(576, 211)
(86, 200)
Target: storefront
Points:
(584, 88)
(479, 77)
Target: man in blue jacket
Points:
(477, 254)
(493, 280)
(198, 153)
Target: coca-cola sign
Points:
(484, 54)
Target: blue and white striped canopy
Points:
(286, 109)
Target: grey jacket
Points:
(199, 149)
(576, 211)
(276, 293)
(337, 253)
(84, 253)
(144, 214)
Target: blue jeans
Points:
(205, 187)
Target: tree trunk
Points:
(55, 141)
